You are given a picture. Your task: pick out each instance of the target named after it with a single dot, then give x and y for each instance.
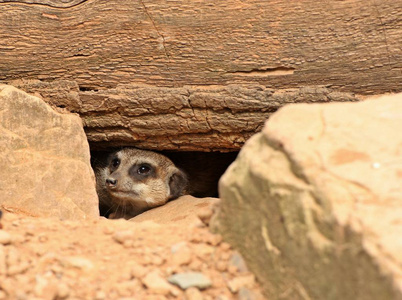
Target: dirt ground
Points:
(100, 259)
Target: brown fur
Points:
(125, 191)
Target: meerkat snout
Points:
(111, 183)
(136, 180)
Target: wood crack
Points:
(156, 29)
(265, 71)
(47, 3)
(382, 27)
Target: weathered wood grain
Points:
(214, 70)
(189, 118)
(353, 45)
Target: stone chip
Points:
(190, 279)
(5, 237)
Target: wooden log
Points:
(189, 118)
(196, 55)
(353, 46)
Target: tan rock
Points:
(62, 291)
(3, 263)
(138, 271)
(123, 236)
(5, 237)
(3, 295)
(46, 287)
(193, 293)
(182, 211)
(244, 281)
(78, 262)
(181, 254)
(315, 201)
(45, 159)
(156, 283)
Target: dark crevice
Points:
(63, 4)
(203, 169)
(87, 89)
(80, 55)
(265, 71)
(156, 28)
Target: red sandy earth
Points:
(43, 258)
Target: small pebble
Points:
(5, 237)
(204, 251)
(151, 297)
(214, 240)
(225, 256)
(232, 269)
(108, 230)
(3, 295)
(43, 238)
(190, 279)
(146, 260)
(205, 215)
(18, 269)
(225, 246)
(195, 264)
(157, 260)
(181, 254)
(221, 266)
(62, 291)
(3, 264)
(126, 288)
(138, 271)
(237, 260)
(196, 239)
(246, 294)
(193, 293)
(122, 236)
(245, 281)
(156, 283)
(45, 287)
(79, 262)
(100, 295)
(376, 165)
(128, 244)
(30, 230)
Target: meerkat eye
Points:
(115, 162)
(143, 170)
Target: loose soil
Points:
(43, 258)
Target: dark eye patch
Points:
(114, 163)
(142, 171)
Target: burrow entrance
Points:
(204, 169)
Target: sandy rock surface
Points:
(184, 211)
(43, 258)
(44, 158)
(314, 202)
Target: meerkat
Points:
(134, 181)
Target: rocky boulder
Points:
(186, 211)
(314, 201)
(44, 158)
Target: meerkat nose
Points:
(111, 182)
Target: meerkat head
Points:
(138, 180)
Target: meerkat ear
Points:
(178, 184)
